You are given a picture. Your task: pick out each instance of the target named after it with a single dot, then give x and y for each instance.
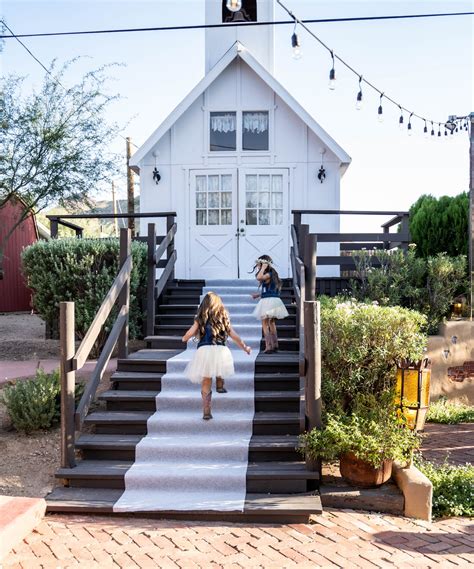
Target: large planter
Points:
(360, 473)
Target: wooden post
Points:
(312, 342)
(130, 190)
(170, 250)
(405, 230)
(124, 296)
(114, 210)
(151, 281)
(53, 227)
(310, 266)
(302, 235)
(297, 222)
(471, 210)
(68, 383)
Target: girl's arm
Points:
(190, 333)
(237, 339)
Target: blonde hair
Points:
(212, 311)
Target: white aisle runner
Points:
(184, 462)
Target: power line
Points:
(13, 35)
(361, 78)
(232, 24)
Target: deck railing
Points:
(73, 360)
(156, 287)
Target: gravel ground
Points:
(22, 337)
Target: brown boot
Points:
(206, 405)
(220, 385)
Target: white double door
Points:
(236, 215)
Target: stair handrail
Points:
(73, 360)
(156, 287)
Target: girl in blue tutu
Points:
(270, 306)
(212, 358)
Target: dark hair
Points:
(274, 276)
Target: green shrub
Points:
(35, 403)
(448, 412)
(453, 488)
(374, 431)
(82, 270)
(428, 285)
(360, 346)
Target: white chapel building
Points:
(237, 155)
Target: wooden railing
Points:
(303, 264)
(155, 288)
(73, 360)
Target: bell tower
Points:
(258, 39)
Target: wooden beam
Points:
(310, 266)
(160, 285)
(170, 221)
(349, 237)
(166, 242)
(345, 212)
(124, 296)
(68, 383)
(151, 281)
(471, 211)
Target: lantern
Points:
(457, 309)
(413, 391)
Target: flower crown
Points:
(264, 261)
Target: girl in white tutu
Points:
(270, 306)
(212, 358)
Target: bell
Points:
(238, 17)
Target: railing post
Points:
(312, 342)
(151, 281)
(310, 265)
(405, 229)
(53, 227)
(297, 222)
(302, 235)
(124, 296)
(169, 224)
(68, 383)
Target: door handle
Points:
(242, 230)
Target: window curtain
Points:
(223, 122)
(256, 122)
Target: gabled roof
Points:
(238, 50)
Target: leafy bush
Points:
(36, 403)
(360, 346)
(448, 412)
(440, 225)
(374, 431)
(82, 270)
(428, 285)
(453, 488)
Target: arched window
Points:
(248, 12)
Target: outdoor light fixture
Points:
(450, 124)
(359, 95)
(410, 131)
(295, 44)
(380, 110)
(425, 130)
(432, 129)
(332, 74)
(400, 120)
(234, 5)
(156, 176)
(413, 391)
(322, 171)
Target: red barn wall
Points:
(14, 294)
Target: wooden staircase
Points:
(279, 485)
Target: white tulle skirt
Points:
(210, 361)
(271, 307)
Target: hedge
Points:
(82, 270)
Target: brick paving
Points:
(338, 538)
(453, 441)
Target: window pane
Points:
(213, 217)
(277, 183)
(201, 217)
(213, 183)
(226, 199)
(226, 183)
(277, 200)
(255, 130)
(200, 183)
(222, 131)
(251, 183)
(264, 183)
(213, 199)
(251, 199)
(226, 217)
(277, 217)
(201, 199)
(264, 199)
(251, 217)
(264, 217)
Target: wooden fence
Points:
(73, 360)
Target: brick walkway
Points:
(457, 441)
(337, 539)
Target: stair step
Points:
(284, 330)
(187, 318)
(170, 342)
(147, 395)
(280, 508)
(188, 308)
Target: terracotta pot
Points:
(360, 473)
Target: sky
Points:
(425, 64)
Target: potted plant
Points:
(366, 441)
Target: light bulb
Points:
(425, 131)
(359, 101)
(234, 5)
(410, 131)
(380, 113)
(400, 122)
(295, 44)
(332, 79)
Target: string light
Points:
(332, 74)
(295, 44)
(400, 120)
(234, 5)
(359, 95)
(410, 130)
(432, 129)
(380, 110)
(439, 129)
(425, 130)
